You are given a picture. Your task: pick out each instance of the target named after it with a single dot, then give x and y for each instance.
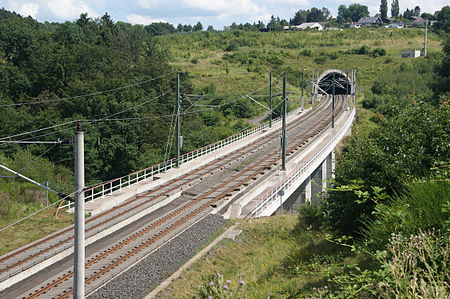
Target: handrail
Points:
(117, 184)
(274, 193)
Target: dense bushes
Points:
(425, 205)
(390, 200)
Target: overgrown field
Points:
(234, 62)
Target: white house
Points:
(396, 25)
(355, 25)
(305, 26)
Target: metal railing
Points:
(274, 194)
(108, 187)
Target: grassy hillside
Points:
(234, 62)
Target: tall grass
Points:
(420, 208)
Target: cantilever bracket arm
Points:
(32, 181)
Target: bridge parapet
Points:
(270, 200)
(116, 185)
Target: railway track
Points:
(172, 222)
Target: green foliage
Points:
(232, 47)
(443, 20)
(353, 13)
(383, 9)
(218, 287)
(410, 267)
(378, 52)
(442, 85)
(420, 208)
(320, 60)
(311, 15)
(408, 142)
(309, 217)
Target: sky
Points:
(218, 13)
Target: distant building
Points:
(354, 25)
(370, 21)
(419, 21)
(315, 25)
(396, 25)
(411, 54)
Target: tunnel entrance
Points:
(343, 83)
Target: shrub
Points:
(364, 50)
(194, 61)
(320, 59)
(232, 47)
(378, 52)
(306, 53)
(310, 217)
(422, 207)
(412, 267)
(333, 56)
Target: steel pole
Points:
(79, 254)
(425, 39)
(177, 124)
(270, 98)
(332, 106)
(346, 90)
(283, 137)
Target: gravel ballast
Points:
(147, 274)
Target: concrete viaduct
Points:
(238, 177)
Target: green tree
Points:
(417, 11)
(156, 29)
(318, 15)
(198, 27)
(357, 11)
(443, 20)
(299, 17)
(395, 9)
(343, 14)
(383, 9)
(352, 14)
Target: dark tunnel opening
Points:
(342, 84)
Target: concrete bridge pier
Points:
(309, 191)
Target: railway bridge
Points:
(136, 217)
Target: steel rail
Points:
(247, 148)
(257, 167)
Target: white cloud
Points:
(143, 20)
(228, 7)
(29, 9)
(147, 4)
(69, 9)
(292, 2)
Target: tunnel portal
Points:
(343, 84)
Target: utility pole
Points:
(302, 82)
(346, 90)
(332, 105)
(270, 99)
(425, 39)
(283, 133)
(79, 255)
(177, 123)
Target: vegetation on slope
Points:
(383, 230)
